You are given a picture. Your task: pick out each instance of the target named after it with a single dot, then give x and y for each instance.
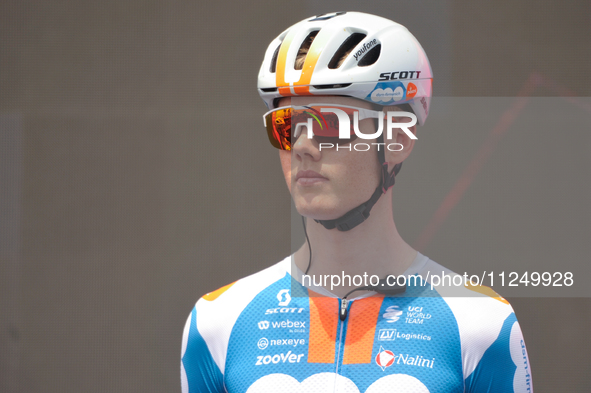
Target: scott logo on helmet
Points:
(345, 127)
(390, 76)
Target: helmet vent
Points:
(303, 51)
(273, 67)
(345, 48)
(334, 86)
(371, 56)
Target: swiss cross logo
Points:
(385, 358)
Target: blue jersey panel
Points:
(271, 336)
(420, 335)
(496, 370)
(203, 375)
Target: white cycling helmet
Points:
(351, 54)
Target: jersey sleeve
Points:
(208, 329)
(504, 366)
(199, 372)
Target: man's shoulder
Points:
(216, 312)
(477, 309)
(491, 341)
(451, 285)
(480, 313)
(224, 305)
(251, 283)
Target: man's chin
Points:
(319, 213)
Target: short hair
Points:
(303, 51)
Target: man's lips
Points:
(309, 177)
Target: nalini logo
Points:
(392, 314)
(385, 358)
(263, 325)
(263, 343)
(283, 297)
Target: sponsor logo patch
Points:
(284, 310)
(364, 49)
(283, 297)
(411, 91)
(390, 76)
(387, 334)
(416, 315)
(385, 358)
(263, 343)
(263, 325)
(279, 358)
(392, 314)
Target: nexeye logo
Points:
(342, 132)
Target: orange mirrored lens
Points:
(279, 128)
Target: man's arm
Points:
(199, 372)
(504, 366)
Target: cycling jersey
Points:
(268, 333)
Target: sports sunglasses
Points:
(285, 124)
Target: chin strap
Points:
(360, 213)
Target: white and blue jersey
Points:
(268, 333)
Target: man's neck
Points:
(372, 248)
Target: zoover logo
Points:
(334, 125)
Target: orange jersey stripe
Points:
(215, 294)
(324, 319)
(363, 318)
(486, 291)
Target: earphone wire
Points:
(309, 246)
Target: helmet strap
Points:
(360, 213)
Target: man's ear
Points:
(400, 146)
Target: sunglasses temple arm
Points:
(366, 113)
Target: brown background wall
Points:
(128, 189)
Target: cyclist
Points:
(345, 91)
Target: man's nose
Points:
(303, 146)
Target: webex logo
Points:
(263, 325)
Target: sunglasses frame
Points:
(363, 112)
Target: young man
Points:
(335, 85)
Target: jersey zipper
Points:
(343, 313)
(343, 309)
